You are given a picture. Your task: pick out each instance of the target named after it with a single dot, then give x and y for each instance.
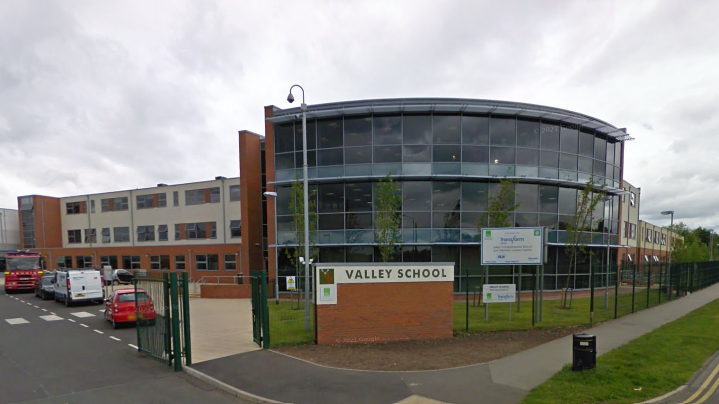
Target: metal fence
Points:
(594, 295)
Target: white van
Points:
(77, 285)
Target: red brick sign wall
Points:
(387, 311)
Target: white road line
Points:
(15, 321)
(52, 313)
(84, 325)
(35, 306)
(44, 309)
(132, 346)
(98, 331)
(101, 310)
(82, 314)
(51, 318)
(69, 319)
(116, 339)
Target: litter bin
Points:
(584, 353)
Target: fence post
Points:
(649, 282)
(617, 276)
(264, 310)
(466, 288)
(175, 316)
(186, 319)
(167, 319)
(661, 272)
(634, 284)
(137, 328)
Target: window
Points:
(161, 200)
(162, 232)
(90, 236)
(633, 234)
(104, 205)
(179, 262)
(358, 131)
(92, 206)
(656, 237)
(235, 228)
(114, 204)
(160, 262)
(121, 234)
(74, 237)
(145, 233)
(195, 197)
(176, 198)
(230, 262)
(106, 235)
(131, 262)
(632, 199)
(177, 232)
(144, 201)
(213, 229)
(234, 193)
(215, 195)
(648, 235)
(84, 261)
(207, 262)
(195, 231)
(73, 208)
(108, 260)
(664, 239)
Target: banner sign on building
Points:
(330, 275)
(513, 246)
(499, 293)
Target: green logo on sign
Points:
(537, 232)
(327, 292)
(488, 233)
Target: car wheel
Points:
(115, 282)
(114, 324)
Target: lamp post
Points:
(273, 195)
(669, 266)
(305, 191)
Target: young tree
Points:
(500, 207)
(297, 207)
(577, 233)
(387, 216)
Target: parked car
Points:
(120, 307)
(78, 285)
(45, 287)
(121, 276)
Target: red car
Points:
(120, 307)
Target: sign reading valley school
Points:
(513, 245)
(330, 275)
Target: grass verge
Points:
(657, 362)
(287, 323)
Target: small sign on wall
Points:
(504, 293)
(291, 283)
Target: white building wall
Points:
(630, 215)
(221, 213)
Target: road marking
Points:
(51, 318)
(52, 313)
(115, 338)
(69, 319)
(35, 306)
(83, 314)
(101, 310)
(44, 309)
(98, 331)
(132, 346)
(15, 321)
(84, 325)
(703, 386)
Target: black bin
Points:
(584, 352)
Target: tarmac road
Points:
(50, 353)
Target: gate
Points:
(166, 337)
(260, 311)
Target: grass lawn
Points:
(553, 316)
(287, 323)
(658, 362)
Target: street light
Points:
(273, 195)
(669, 266)
(303, 106)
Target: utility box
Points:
(584, 352)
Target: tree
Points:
(500, 207)
(297, 207)
(577, 233)
(387, 216)
(695, 244)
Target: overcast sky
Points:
(99, 96)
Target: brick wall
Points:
(226, 291)
(383, 312)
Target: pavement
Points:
(265, 376)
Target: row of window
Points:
(202, 262)
(412, 129)
(157, 200)
(183, 231)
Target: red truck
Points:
(22, 269)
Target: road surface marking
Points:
(84, 325)
(35, 306)
(52, 313)
(703, 386)
(101, 310)
(82, 314)
(69, 319)
(115, 338)
(15, 321)
(98, 331)
(132, 346)
(51, 318)
(44, 309)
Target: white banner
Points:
(499, 293)
(513, 246)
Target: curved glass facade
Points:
(447, 164)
